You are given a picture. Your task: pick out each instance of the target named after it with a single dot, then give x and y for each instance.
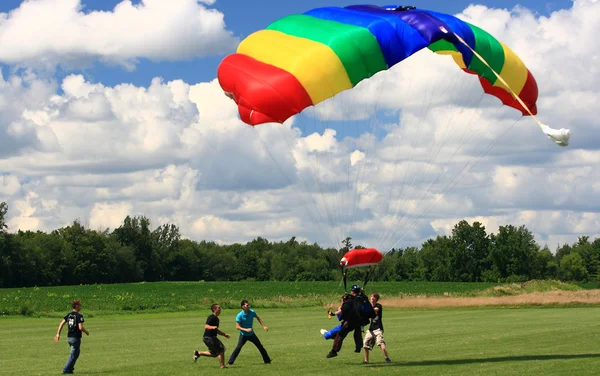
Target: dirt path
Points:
(536, 298)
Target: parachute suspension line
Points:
(318, 212)
(447, 187)
(362, 168)
(433, 152)
(330, 207)
(466, 168)
(292, 185)
(424, 110)
(367, 273)
(405, 172)
(404, 220)
(319, 186)
(334, 192)
(423, 192)
(559, 136)
(348, 188)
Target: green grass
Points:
(500, 341)
(190, 296)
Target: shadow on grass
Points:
(523, 358)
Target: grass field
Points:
(484, 341)
(191, 296)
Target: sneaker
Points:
(387, 360)
(323, 331)
(196, 356)
(331, 354)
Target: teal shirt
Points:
(245, 321)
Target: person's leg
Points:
(331, 334)
(75, 344)
(208, 341)
(368, 344)
(338, 340)
(254, 339)
(358, 341)
(381, 343)
(221, 357)
(241, 342)
(385, 353)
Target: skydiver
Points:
(351, 322)
(330, 334)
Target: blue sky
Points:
(243, 18)
(120, 114)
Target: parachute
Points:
(360, 257)
(357, 258)
(387, 170)
(301, 60)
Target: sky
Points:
(111, 108)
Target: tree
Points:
(347, 245)
(545, 265)
(435, 256)
(3, 211)
(590, 253)
(572, 268)
(135, 232)
(512, 252)
(471, 247)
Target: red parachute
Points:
(361, 257)
(356, 258)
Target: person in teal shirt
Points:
(243, 323)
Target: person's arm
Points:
(83, 329)
(60, 326)
(239, 327)
(223, 333)
(262, 323)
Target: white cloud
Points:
(43, 33)
(438, 151)
(104, 215)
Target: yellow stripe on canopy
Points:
(457, 56)
(314, 64)
(514, 72)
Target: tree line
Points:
(136, 252)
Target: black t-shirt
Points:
(73, 320)
(349, 313)
(376, 322)
(212, 320)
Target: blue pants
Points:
(75, 344)
(331, 334)
(242, 341)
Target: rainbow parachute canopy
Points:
(302, 59)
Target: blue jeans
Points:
(75, 344)
(254, 339)
(331, 334)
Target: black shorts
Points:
(215, 346)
